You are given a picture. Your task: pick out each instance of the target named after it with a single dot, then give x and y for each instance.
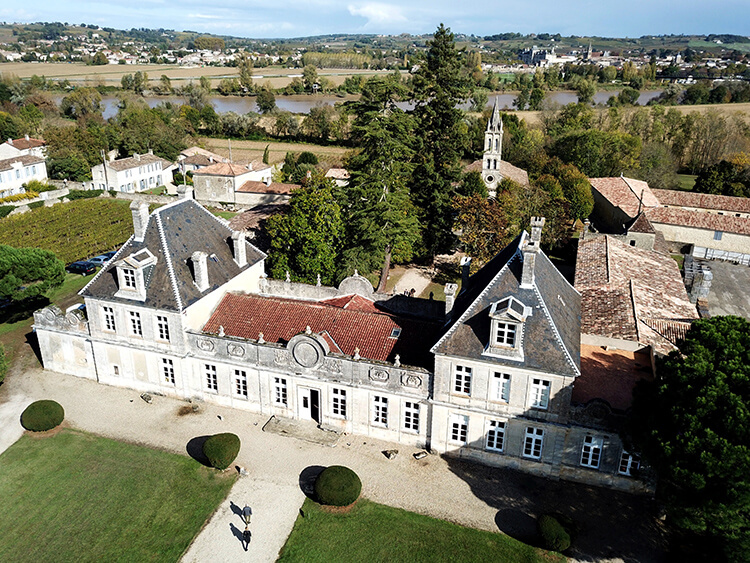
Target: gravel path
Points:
(614, 526)
(414, 278)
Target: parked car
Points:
(82, 267)
(110, 254)
(99, 260)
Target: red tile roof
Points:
(346, 323)
(24, 143)
(625, 193)
(695, 200)
(699, 220)
(258, 187)
(506, 170)
(223, 169)
(610, 375)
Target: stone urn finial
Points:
(308, 330)
(261, 340)
(397, 361)
(221, 330)
(356, 354)
(288, 278)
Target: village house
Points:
(135, 173)
(17, 171)
(195, 158)
(184, 309)
(26, 146)
(239, 184)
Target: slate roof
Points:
(134, 162)
(625, 193)
(631, 293)
(258, 187)
(173, 233)
(699, 220)
(610, 375)
(551, 340)
(675, 198)
(506, 170)
(346, 322)
(24, 159)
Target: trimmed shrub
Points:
(554, 536)
(83, 194)
(337, 486)
(222, 449)
(40, 416)
(5, 210)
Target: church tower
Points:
(493, 148)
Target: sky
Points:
(302, 18)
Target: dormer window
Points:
(507, 318)
(133, 273)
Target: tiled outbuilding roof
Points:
(347, 323)
(676, 198)
(174, 232)
(505, 169)
(625, 193)
(699, 220)
(223, 169)
(133, 162)
(258, 187)
(24, 159)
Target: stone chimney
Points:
(140, 219)
(189, 193)
(530, 249)
(200, 269)
(26, 137)
(10, 142)
(450, 296)
(465, 270)
(240, 249)
(137, 157)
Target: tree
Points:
(598, 153)
(692, 426)
(99, 59)
(310, 77)
(245, 68)
(306, 241)
(585, 89)
(28, 272)
(82, 102)
(438, 87)
(266, 101)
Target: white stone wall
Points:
(12, 181)
(702, 237)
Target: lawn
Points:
(78, 497)
(374, 532)
(686, 181)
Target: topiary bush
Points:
(40, 416)
(337, 486)
(554, 535)
(222, 449)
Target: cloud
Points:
(204, 16)
(378, 14)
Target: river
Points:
(303, 103)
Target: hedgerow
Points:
(19, 197)
(72, 231)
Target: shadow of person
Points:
(239, 535)
(307, 479)
(235, 509)
(194, 449)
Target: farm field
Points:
(78, 497)
(366, 533)
(245, 151)
(110, 75)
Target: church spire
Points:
(495, 124)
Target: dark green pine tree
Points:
(438, 87)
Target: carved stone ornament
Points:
(306, 354)
(280, 357)
(379, 375)
(235, 350)
(410, 380)
(331, 365)
(205, 345)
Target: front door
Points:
(309, 404)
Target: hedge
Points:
(5, 210)
(554, 536)
(83, 194)
(19, 197)
(337, 486)
(40, 416)
(222, 449)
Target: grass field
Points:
(74, 230)
(243, 151)
(373, 532)
(77, 497)
(110, 75)
(686, 181)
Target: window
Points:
(135, 324)
(162, 325)
(338, 402)
(212, 382)
(505, 334)
(501, 383)
(718, 234)
(380, 410)
(240, 383)
(591, 453)
(462, 383)
(495, 435)
(116, 371)
(411, 416)
(459, 428)
(167, 369)
(628, 463)
(128, 278)
(532, 445)
(540, 393)
(109, 318)
(279, 391)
